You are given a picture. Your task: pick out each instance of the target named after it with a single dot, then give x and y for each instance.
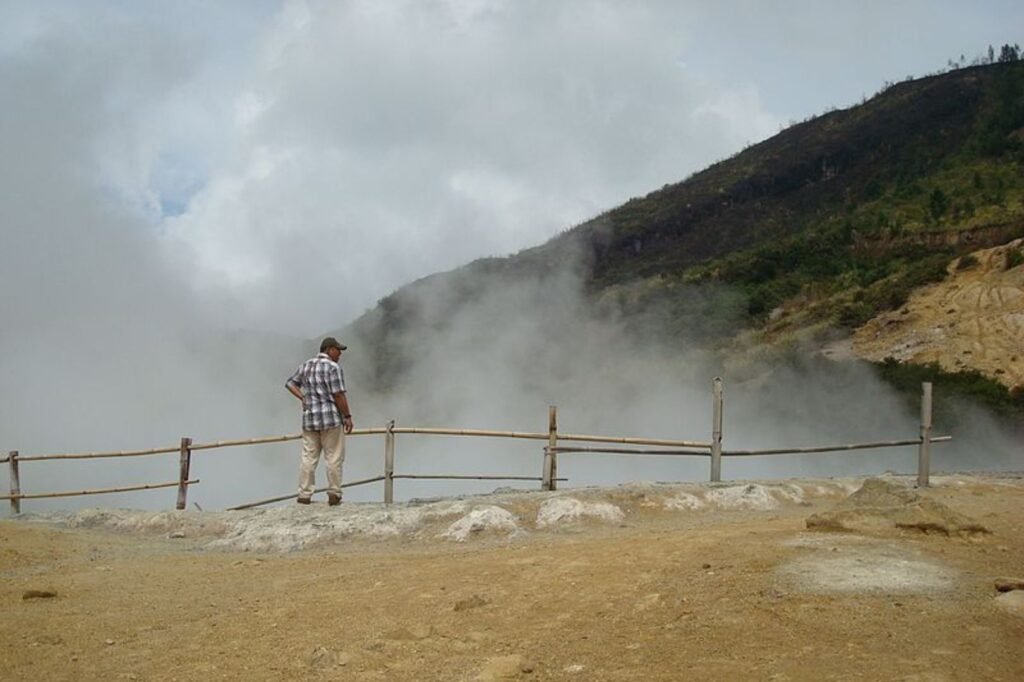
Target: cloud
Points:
(103, 344)
(382, 142)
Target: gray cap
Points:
(331, 342)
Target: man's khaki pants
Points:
(332, 442)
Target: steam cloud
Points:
(158, 190)
(515, 347)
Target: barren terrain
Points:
(640, 582)
(974, 319)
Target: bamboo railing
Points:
(100, 491)
(549, 471)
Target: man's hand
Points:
(341, 402)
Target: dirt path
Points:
(972, 320)
(664, 594)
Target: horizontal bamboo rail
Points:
(282, 498)
(836, 448)
(250, 441)
(740, 453)
(545, 436)
(623, 451)
(99, 491)
(473, 478)
(278, 439)
(198, 446)
(470, 432)
(96, 455)
(367, 432)
(635, 441)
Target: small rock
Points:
(38, 594)
(1009, 584)
(178, 534)
(527, 667)
(321, 658)
(648, 602)
(410, 634)
(108, 642)
(49, 639)
(1012, 601)
(501, 668)
(473, 602)
(574, 668)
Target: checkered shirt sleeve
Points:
(319, 379)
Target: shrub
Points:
(937, 203)
(1014, 257)
(967, 262)
(906, 377)
(854, 314)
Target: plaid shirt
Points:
(319, 379)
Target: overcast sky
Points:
(171, 172)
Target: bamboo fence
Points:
(549, 470)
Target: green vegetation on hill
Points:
(951, 389)
(853, 210)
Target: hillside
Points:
(809, 234)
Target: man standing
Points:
(320, 384)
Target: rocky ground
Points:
(797, 580)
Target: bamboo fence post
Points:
(553, 444)
(716, 430)
(550, 456)
(185, 463)
(389, 463)
(15, 482)
(924, 453)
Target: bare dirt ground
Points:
(643, 582)
(974, 319)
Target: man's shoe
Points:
(333, 500)
(303, 500)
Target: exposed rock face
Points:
(974, 319)
(880, 507)
(565, 509)
(485, 519)
(1009, 584)
(1012, 602)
